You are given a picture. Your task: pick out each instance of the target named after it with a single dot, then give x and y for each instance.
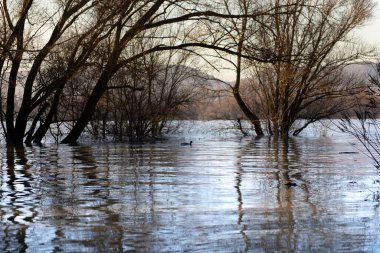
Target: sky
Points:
(371, 31)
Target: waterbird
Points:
(186, 143)
(290, 184)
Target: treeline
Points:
(127, 67)
(222, 105)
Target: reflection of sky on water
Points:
(40, 237)
(223, 194)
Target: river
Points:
(225, 193)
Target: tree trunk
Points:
(252, 117)
(249, 114)
(42, 130)
(13, 137)
(37, 118)
(89, 109)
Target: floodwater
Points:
(222, 194)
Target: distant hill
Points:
(363, 70)
(223, 106)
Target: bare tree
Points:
(233, 33)
(27, 48)
(30, 40)
(41, 55)
(307, 45)
(363, 123)
(162, 88)
(191, 18)
(140, 17)
(51, 48)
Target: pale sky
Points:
(371, 32)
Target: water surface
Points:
(220, 195)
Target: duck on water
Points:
(187, 143)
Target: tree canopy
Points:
(47, 45)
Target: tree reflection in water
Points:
(306, 216)
(227, 195)
(18, 200)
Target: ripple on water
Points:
(220, 195)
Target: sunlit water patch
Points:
(222, 194)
